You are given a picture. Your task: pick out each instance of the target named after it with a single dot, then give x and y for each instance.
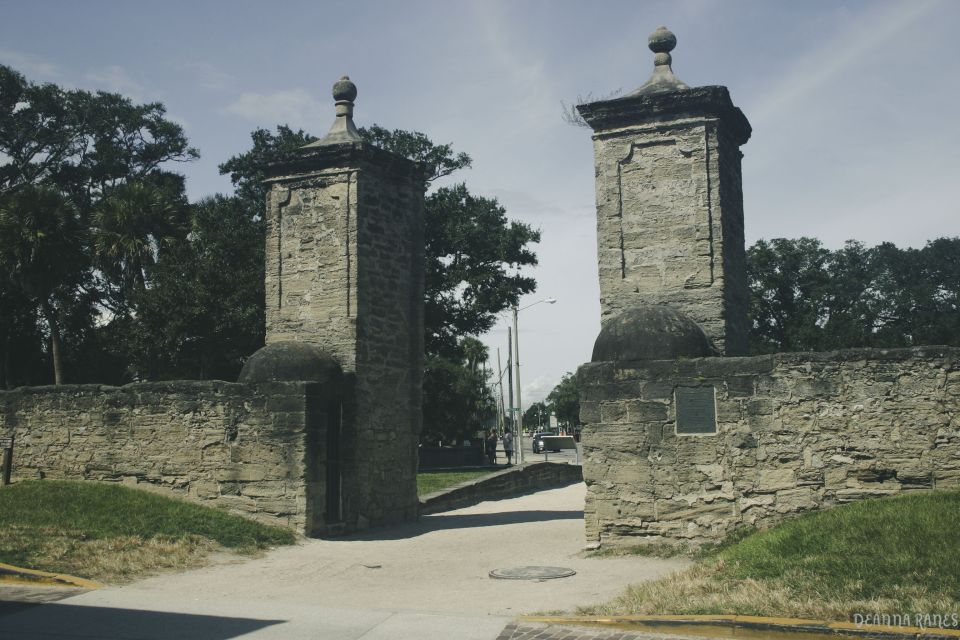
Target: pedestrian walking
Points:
(508, 446)
(491, 444)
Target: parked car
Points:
(537, 442)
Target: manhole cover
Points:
(532, 573)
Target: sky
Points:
(853, 106)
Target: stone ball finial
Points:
(662, 40)
(344, 90)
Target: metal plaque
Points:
(696, 410)
(6, 443)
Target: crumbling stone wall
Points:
(254, 449)
(794, 432)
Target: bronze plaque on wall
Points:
(696, 410)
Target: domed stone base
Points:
(290, 361)
(651, 332)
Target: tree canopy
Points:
(564, 400)
(804, 297)
(86, 204)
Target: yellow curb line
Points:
(786, 624)
(44, 578)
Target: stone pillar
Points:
(344, 271)
(669, 201)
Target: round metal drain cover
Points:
(532, 573)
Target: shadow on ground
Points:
(60, 620)
(441, 521)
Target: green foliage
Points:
(42, 258)
(456, 400)
(439, 159)
(474, 257)
(21, 339)
(564, 400)
(203, 314)
(92, 165)
(537, 416)
(246, 170)
(807, 298)
(80, 142)
(131, 225)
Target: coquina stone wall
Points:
(254, 449)
(794, 432)
(670, 208)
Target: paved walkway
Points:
(424, 580)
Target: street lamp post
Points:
(516, 361)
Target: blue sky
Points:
(853, 105)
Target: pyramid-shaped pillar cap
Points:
(665, 98)
(343, 131)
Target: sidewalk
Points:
(424, 580)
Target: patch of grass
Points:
(430, 481)
(109, 532)
(878, 556)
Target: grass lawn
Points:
(430, 481)
(112, 533)
(892, 555)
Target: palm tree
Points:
(41, 252)
(130, 224)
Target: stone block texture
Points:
(670, 208)
(795, 432)
(257, 450)
(344, 271)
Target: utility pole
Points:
(500, 407)
(510, 376)
(516, 360)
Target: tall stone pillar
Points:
(344, 272)
(670, 203)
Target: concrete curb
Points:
(10, 574)
(773, 627)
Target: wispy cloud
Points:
(842, 54)
(295, 107)
(537, 389)
(209, 76)
(529, 93)
(32, 66)
(115, 78)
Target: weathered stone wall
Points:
(390, 246)
(794, 432)
(344, 271)
(670, 210)
(256, 450)
(311, 265)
